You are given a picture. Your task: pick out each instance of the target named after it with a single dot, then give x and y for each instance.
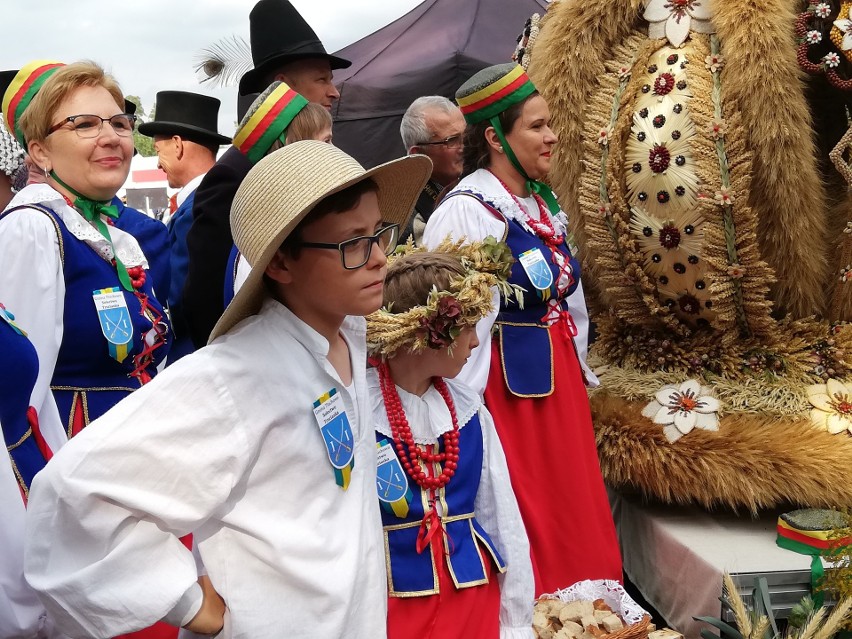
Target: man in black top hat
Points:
(186, 141)
(283, 47)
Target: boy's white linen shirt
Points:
(463, 216)
(223, 444)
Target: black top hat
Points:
(279, 34)
(190, 115)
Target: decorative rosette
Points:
(690, 303)
(661, 170)
(681, 409)
(674, 19)
(841, 31)
(666, 243)
(832, 406)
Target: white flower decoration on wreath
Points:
(832, 406)
(822, 10)
(844, 25)
(814, 37)
(714, 62)
(831, 60)
(674, 19)
(724, 197)
(681, 409)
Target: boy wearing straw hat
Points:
(260, 444)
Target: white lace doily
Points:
(610, 591)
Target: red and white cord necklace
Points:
(543, 227)
(545, 230)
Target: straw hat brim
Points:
(258, 237)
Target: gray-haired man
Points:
(433, 126)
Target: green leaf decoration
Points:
(725, 629)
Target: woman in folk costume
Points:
(457, 554)
(277, 117)
(78, 284)
(532, 373)
(32, 432)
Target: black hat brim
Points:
(254, 82)
(190, 132)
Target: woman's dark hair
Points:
(477, 153)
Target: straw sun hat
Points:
(282, 188)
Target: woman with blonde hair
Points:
(78, 285)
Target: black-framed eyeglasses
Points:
(89, 126)
(452, 142)
(355, 253)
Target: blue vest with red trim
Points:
(412, 574)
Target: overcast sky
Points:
(151, 46)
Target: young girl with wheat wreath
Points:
(457, 554)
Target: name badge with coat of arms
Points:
(336, 431)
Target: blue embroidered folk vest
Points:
(86, 377)
(413, 575)
(523, 337)
(18, 374)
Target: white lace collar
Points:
(126, 246)
(428, 416)
(485, 185)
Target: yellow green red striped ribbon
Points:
(810, 542)
(489, 101)
(23, 88)
(269, 122)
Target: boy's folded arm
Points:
(105, 515)
(187, 606)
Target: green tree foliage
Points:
(143, 143)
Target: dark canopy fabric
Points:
(431, 50)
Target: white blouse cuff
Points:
(187, 607)
(524, 632)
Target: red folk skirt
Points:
(452, 613)
(553, 464)
(160, 630)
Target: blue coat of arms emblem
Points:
(391, 482)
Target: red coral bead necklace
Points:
(410, 455)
